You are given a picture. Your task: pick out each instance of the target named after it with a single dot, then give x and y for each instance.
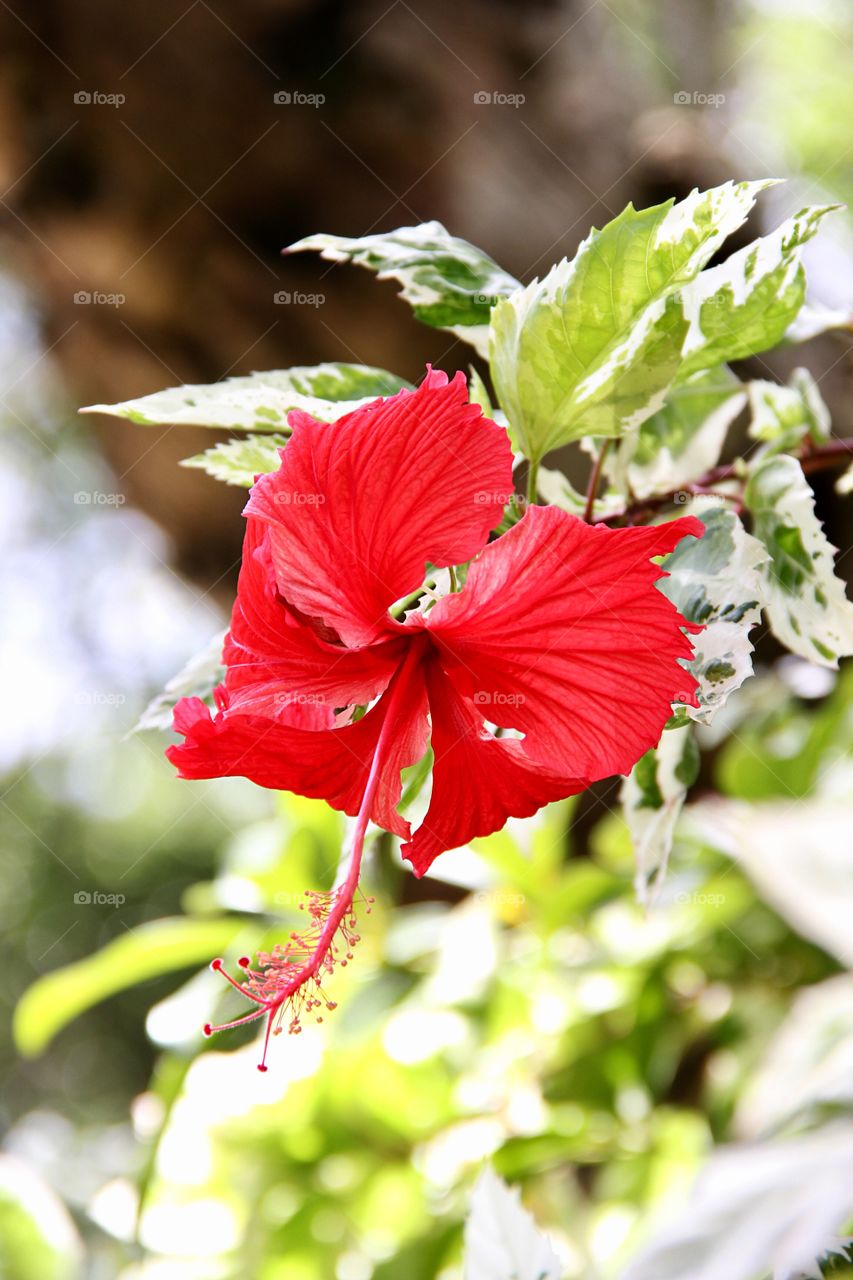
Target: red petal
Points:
(276, 662)
(327, 764)
(561, 632)
(359, 506)
(478, 780)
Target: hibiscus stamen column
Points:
(289, 978)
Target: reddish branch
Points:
(814, 458)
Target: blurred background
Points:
(154, 161)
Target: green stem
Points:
(532, 478)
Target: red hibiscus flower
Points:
(558, 634)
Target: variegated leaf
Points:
(807, 607)
(261, 401)
(717, 580)
(502, 1242)
(477, 392)
(783, 415)
(197, 679)
(809, 1061)
(449, 283)
(239, 461)
(558, 491)
(747, 303)
(758, 1209)
(682, 440)
(813, 319)
(798, 857)
(593, 348)
(652, 798)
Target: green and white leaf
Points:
(478, 392)
(798, 857)
(717, 580)
(758, 1208)
(807, 1064)
(593, 348)
(814, 319)
(682, 440)
(239, 461)
(557, 490)
(261, 401)
(652, 798)
(816, 408)
(502, 1242)
(747, 303)
(449, 283)
(782, 416)
(197, 679)
(806, 604)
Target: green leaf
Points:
(38, 1237)
(197, 679)
(682, 440)
(261, 401)
(449, 283)
(716, 580)
(150, 950)
(239, 461)
(806, 604)
(652, 798)
(783, 416)
(747, 303)
(593, 348)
